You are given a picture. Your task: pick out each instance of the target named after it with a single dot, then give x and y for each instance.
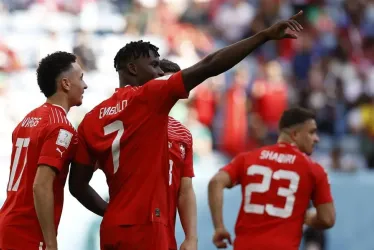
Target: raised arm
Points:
(226, 58)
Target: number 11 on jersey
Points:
(20, 144)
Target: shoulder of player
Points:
(178, 131)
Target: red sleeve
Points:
(83, 155)
(322, 190)
(59, 146)
(162, 93)
(188, 163)
(234, 169)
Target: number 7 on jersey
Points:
(116, 126)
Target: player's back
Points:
(277, 185)
(18, 220)
(127, 135)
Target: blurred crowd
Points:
(329, 68)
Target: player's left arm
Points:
(187, 199)
(56, 152)
(81, 172)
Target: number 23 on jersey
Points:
(264, 186)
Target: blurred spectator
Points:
(233, 18)
(84, 52)
(235, 123)
(9, 61)
(269, 95)
(202, 139)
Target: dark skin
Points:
(143, 69)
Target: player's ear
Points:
(294, 133)
(132, 68)
(64, 84)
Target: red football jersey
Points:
(180, 165)
(43, 137)
(277, 183)
(127, 136)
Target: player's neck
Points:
(59, 101)
(284, 138)
(124, 81)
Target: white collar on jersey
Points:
(61, 108)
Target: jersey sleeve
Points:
(59, 146)
(188, 166)
(322, 190)
(234, 169)
(163, 92)
(83, 155)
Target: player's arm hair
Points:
(44, 203)
(216, 186)
(221, 60)
(79, 187)
(323, 217)
(187, 208)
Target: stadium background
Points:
(329, 68)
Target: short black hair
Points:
(50, 67)
(295, 116)
(169, 66)
(133, 50)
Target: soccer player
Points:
(181, 193)
(277, 183)
(43, 145)
(127, 136)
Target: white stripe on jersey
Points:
(176, 131)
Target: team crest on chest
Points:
(183, 151)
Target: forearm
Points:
(90, 199)
(312, 220)
(221, 60)
(226, 58)
(44, 207)
(188, 213)
(215, 196)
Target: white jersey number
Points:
(264, 186)
(20, 144)
(116, 126)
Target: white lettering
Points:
(277, 157)
(30, 122)
(112, 110)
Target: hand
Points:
(189, 244)
(220, 236)
(278, 31)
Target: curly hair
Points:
(169, 66)
(50, 67)
(133, 50)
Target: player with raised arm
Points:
(43, 145)
(127, 136)
(182, 195)
(277, 183)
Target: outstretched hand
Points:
(281, 29)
